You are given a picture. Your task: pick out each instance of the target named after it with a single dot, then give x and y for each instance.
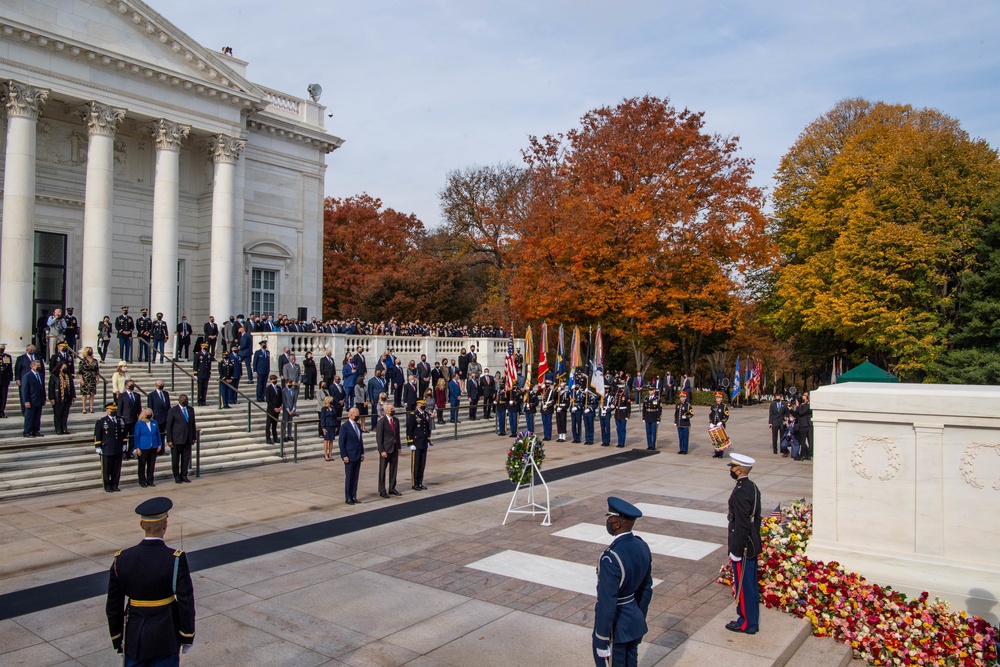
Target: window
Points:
(263, 291)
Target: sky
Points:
(418, 88)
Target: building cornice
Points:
(297, 133)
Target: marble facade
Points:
(168, 176)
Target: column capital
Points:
(101, 119)
(168, 135)
(225, 149)
(22, 100)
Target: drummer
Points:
(717, 418)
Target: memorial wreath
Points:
(517, 456)
(881, 625)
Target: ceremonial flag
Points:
(543, 361)
(597, 381)
(529, 356)
(561, 355)
(749, 379)
(736, 382)
(574, 356)
(509, 364)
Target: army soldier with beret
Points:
(110, 443)
(624, 589)
(744, 545)
(150, 605)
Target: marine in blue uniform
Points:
(624, 589)
(744, 545)
(150, 605)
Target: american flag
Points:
(777, 512)
(509, 364)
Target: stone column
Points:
(225, 152)
(102, 123)
(17, 242)
(167, 138)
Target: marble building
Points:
(141, 168)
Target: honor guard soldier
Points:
(110, 437)
(144, 329)
(682, 420)
(624, 589)
(418, 428)
(503, 397)
(623, 410)
(514, 403)
(578, 403)
(150, 605)
(530, 408)
(203, 370)
(563, 407)
(124, 325)
(606, 412)
(72, 332)
(6, 377)
(589, 414)
(548, 400)
(227, 367)
(718, 416)
(652, 411)
(161, 332)
(744, 545)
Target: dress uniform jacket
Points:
(623, 407)
(682, 415)
(157, 582)
(744, 519)
(719, 414)
(624, 589)
(652, 411)
(109, 435)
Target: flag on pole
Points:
(597, 380)
(561, 355)
(543, 361)
(736, 382)
(749, 380)
(529, 356)
(574, 355)
(510, 366)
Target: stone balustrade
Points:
(281, 102)
(490, 352)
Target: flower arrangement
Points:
(517, 456)
(881, 625)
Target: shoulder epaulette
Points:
(118, 553)
(178, 553)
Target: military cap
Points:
(682, 393)
(154, 509)
(70, 309)
(144, 310)
(3, 345)
(63, 344)
(111, 406)
(262, 343)
(159, 314)
(741, 460)
(618, 507)
(421, 402)
(204, 345)
(719, 394)
(124, 308)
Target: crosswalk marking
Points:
(665, 545)
(554, 572)
(683, 514)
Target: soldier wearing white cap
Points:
(744, 544)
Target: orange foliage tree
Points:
(642, 221)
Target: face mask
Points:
(732, 473)
(607, 526)
(184, 403)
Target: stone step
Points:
(822, 652)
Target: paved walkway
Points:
(396, 588)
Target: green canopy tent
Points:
(867, 372)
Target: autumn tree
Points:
(876, 211)
(639, 220)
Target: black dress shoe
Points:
(394, 492)
(178, 480)
(349, 502)
(186, 479)
(151, 483)
(423, 488)
(383, 494)
(734, 626)
(142, 484)
(415, 488)
(116, 489)
(355, 501)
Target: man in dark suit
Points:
(158, 619)
(388, 440)
(327, 368)
(183, 339)
(33, 399)
(352, 453)
(776, 415)
(397, 384)
(109, 444)
(359, 360)
(245, 351)
(423, 376)
(487, 392)
(262, 367)
(410, 395)
(211, 331)
(129, 407)
(289, 399)
(472, 391)
(158, 401)
(203, 371)
(23, 364)
(181, 432)
(339, 395)
(272, 400)
(282, 360)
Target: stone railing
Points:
(282, 103)
(490, 352)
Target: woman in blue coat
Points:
(147, 444)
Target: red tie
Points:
(392, 425)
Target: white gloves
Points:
(413, 447)
(97, 450)
(185, 648)
(604, 652)
(733, 557)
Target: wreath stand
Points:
(531, 507)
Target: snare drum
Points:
(720, 439)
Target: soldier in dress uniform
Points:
(6, 376)
(144, 329)
(606, 412)
(150, 605)
(589, 413)
(624, 589)
(682, 420)
(530, 401)
(548, 402)
(503, 397)
(203, 370)
(72, 332)
(110, 443)
(124, 325)
(718, 416)
(418, 433)
(652, 411)
(623, 410)
(514, 402)
(744, 545)
(161, 333)
(227, 367)
(578, 402)
(563, 404)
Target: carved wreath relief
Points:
(969, 458)
(891, 450)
